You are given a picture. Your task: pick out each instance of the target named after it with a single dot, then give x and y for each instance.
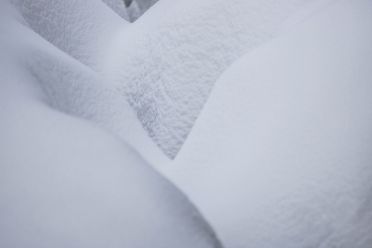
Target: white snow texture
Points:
(63, 181)
(204, 123)
(281, 155)
(168, 61)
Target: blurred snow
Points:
(281, 154)
(130, 10)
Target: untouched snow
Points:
(281, 154)
(167, 62)
(164, 64)
(279, 157)
(76, 89)
(138, 7)
(65, 182)
(81, 28)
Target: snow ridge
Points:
(166, 63)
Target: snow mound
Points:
(81, 28)
(63, 181)
(76, 89)
(167, 62)
(281, 154)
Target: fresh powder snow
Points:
(65, 182)
(281, 154)
(166, 63)
(174, 123)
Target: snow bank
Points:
(63, 181)
(281, 154)
(167, 62)
(78, 90)
(81, 28)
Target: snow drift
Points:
(281, 154)
(167, 62)
(73, 87)
(81, 28)
(64, 182)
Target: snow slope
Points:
(281, 154)
(81, 28)
(79, 90)
(64, 182)
(166, 63)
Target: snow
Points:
(80, 90)
(166, 63)
(65, 182)
(281, 154)
(82, 29)
(278, 157)
(119, 7)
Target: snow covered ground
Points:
(64, 182)
(81, 28)
(281, 155)
(167, 62)
(92, 106)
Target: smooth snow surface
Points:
(64, 182)
(166, 63)
(281, 154)
(70, 85)
(138, 7)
